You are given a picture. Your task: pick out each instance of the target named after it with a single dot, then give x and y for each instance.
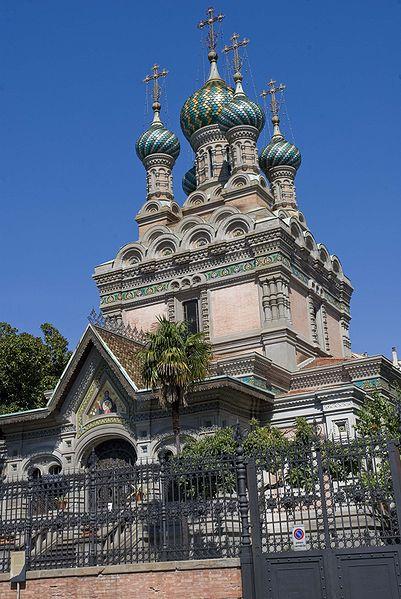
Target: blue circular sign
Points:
(298, 534)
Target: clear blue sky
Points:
(72, 105)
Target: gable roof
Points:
(120, 353)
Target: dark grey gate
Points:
(347, 495)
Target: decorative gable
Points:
(103, 403)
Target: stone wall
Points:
(201, 579)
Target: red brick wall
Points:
(206, 579)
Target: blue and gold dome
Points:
(189, 181)
(205, 105)
(279, 153)
(241, 111)
(157, 140)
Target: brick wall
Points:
(202, 579)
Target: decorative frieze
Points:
(326, 338)
(204, 310)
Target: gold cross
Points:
(274, 105)
(155, 78)
(235, 49)
(209, 22)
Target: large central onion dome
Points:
(241, 111)
(205, 105)
(157, 139)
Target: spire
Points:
(274, 106)
(155, 76)
(237, 62)
(212, 40)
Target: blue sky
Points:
(72, 105)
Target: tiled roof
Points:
(125, 351)
(319, 362)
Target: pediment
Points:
(103, 403)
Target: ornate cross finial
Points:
(236, 57)
(156, 87)
(274, 104)
(209, 22)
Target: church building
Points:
(237, 261)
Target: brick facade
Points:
(205, 579)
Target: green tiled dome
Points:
(279, 153)
(241, 111)
(157, 140)
(189, 181)
(204, 106)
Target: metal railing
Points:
(345, 492)
(143, 513)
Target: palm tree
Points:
(172, 361)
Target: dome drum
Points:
(276, 172)
(208, 134)
(154, 160)
(242, 132)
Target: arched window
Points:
(210, 155)
(228, 161)
(36, 473)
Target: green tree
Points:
(29, 366)
(173, 360)
(379, 415)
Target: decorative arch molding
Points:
(310, 242)
(198, 236)
(96, 436)
(336, 265)
(235, 226)
(164, 245)
(324, 255)
(129, 255)
(42, 460)
(188, 223)
(154, 233)
(296, 231)
(196, 198)
(222, 213)
(165, 440)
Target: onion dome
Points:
(157, 139)
(205, 105)
(241, 111)
(279, 152)
(189, 181)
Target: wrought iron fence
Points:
(342, 490)
(142, 513)
(346, 492)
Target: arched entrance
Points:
(114, 453)
(114, 476)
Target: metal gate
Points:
(346, 496)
